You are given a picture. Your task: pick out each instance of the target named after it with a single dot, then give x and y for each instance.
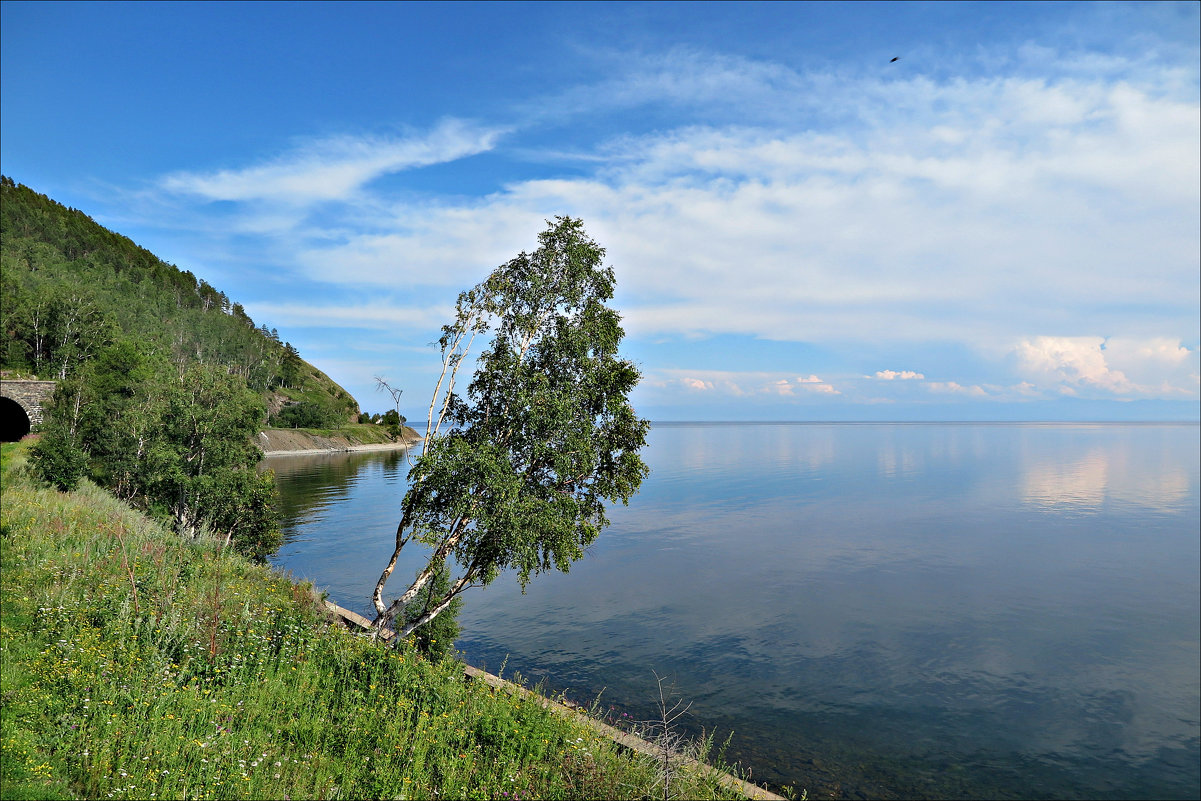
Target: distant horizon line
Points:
(933, 422)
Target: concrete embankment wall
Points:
(291, 442)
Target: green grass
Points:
(135, 665)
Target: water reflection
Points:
(340, 512)
(1084, 478)
(318, 482)
(1080, 484)
(875, 610)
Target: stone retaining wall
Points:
(31, 395)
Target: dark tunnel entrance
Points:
(14, 423)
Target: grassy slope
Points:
(137, 665)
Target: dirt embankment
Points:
(294, 442)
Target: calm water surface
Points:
(873, 610)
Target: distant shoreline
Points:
(383, 446)
(302, 442)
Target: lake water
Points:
(874, 610)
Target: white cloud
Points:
(1158, 366)
(815, 208)
(789, 388)
(1021, 205)
(814, 384)
(697, 384)
(688, 79)
(736, 384)
(1160, 351)
(333, 168)
(1073, 361)
(1119, 366)
(439, 245)
(954, 388)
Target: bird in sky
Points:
(894, 58)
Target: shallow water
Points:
(874, 610)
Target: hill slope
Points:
(69, 286)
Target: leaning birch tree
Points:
(516, 473)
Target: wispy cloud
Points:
(998, 206)
(955, 388)
(811, 207)
(333, 168)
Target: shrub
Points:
(58, 460)
(305, 414)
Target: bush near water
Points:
(139, 665)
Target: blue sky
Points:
(1001, 225)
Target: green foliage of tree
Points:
(177, 445)
(544, 437)
(51, 329)
(120, 403)
(58, 460)
(394, 422)
(291, 366)
(307, 414)
(202, 467)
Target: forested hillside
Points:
(163, 381)
(71, 287)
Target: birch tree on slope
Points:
(515, 474)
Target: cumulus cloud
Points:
(790, 388)
(1120, 366)
(697, 384)
(814, 384)
(1160, 349)
(903, 375)
(1074, 361)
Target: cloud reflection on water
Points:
(1102, 475)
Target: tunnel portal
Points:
(14, 423)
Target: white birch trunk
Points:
(385, 615)
(377, 595)
(458, 587)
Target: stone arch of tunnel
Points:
(14, 422)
